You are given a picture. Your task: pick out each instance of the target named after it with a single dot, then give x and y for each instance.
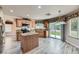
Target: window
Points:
(74, 27)
(40, 25)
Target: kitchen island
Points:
(29, 41)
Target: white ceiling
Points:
(36, 13)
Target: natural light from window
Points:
(74, 27)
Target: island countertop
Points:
(28, 33)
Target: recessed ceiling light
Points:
(39, 7)
(11, 11)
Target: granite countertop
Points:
(29, 33)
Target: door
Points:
(55, 30)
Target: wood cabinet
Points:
(41, 32)
(46, 25)
(19, 22)
(29, 42)
(18, 35)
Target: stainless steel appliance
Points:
(25, 28)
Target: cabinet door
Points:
(19, 22)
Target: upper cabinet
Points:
(19, 22)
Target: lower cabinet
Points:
(29, 42)
(41, 32)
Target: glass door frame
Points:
(55, 31)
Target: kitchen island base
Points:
(29, 42)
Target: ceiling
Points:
(35, 12)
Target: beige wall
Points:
(11, 18)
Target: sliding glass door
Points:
(55, 30)
(52, 30)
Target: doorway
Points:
(55, 30)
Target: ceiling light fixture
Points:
(39, 7)
(11, 11)
(59, 11)
(48, 14)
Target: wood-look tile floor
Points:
(46, 46)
